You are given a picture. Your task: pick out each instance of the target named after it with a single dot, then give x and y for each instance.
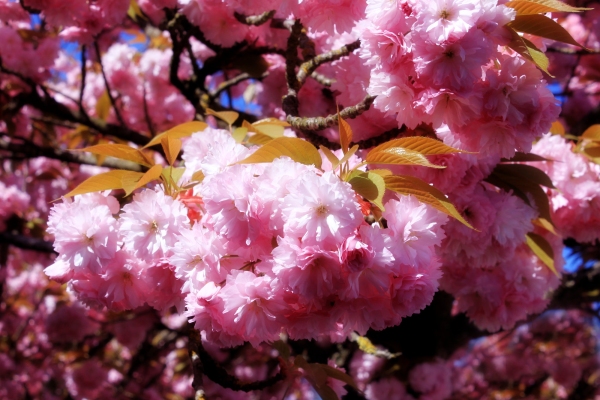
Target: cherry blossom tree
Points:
(299, 200)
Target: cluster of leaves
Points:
(530, 20)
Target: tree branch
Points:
(320, 123)
(203, 364)
(31, 150)
(107, 86)
(308, 67)
(26, 242)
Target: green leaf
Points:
(371, 186)
(399, 156)
(545, 224)
(297, 149)
(121, 151)
(134, 12)
(540, 25)
(420, 144)
(198, 176)
(524, 7)
(425, 193)
(528, 50)
(173, 175)
(228, 116)
(345, 133)
(179, 131)
(239, 134)
(108, 180)
(542, 249)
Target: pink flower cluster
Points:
(279, 247)
(495, 278)
(445, 62)
(575, 202)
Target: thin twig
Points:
(107, 86)
(83, 77)
(146, 112)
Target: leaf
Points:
(282, 348)
(592, 151)
(545, 224)
(297, 149)
(420, 144)
(105, 181)
(525, 157)
(259, 139)
(171, 146)
(272, 130)
(338, 374)
(239, 134)
(592, 133)
(121, 151)
(528, 50)
(349, 154)
(179, 131)
(399, 156)
(524, 7)
(173, 175)
(271, 121)
(540, 25)
(542, 249)
(228, 116)
(525, 172)
(198, 176)
(557, 128)
(521, 188)
(150, 175)
(371, 186)
(134, 12)
(330, 156)
(345, 133)
(103, 106)
(425, 193)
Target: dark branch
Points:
(107, 86)
(26, 242)
(31, 150)
(203, 364)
